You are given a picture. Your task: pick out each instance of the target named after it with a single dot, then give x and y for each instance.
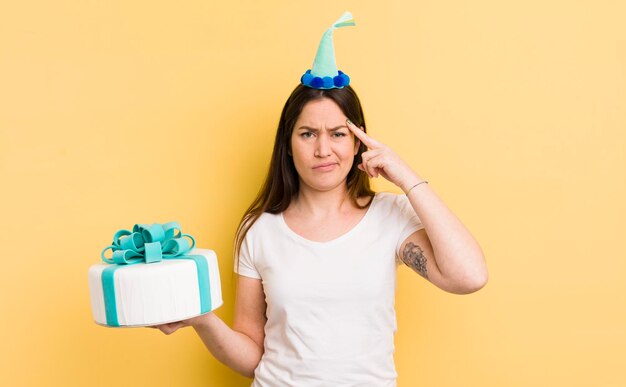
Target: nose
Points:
(322, 146)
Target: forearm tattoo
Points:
(413, 257)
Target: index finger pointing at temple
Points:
(361, 135)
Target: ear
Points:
(357, 144)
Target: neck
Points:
(322, 203)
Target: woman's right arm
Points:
(241, 347)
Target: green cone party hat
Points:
(324, 73)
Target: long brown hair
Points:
(282, 183)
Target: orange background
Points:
(119, 112)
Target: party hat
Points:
(324, 73)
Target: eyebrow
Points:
(317, 130)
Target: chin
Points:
(323, 186)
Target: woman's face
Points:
(322, 147)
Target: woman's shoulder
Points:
(388, 203)
(389, 198)
(265, 222)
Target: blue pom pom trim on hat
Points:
(337, 82)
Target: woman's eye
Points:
(339, 134)
(306, 134)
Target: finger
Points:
(169, 328)
(370, 154)
(363, 166)
(367, 158)
(377, 163)
(164, 329)
(361, 135)
(378, 160)
(369, 166)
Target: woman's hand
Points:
(170, 328)
(381, 160)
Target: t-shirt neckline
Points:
(346, 235)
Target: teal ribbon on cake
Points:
(150, 243)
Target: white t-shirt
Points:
(330, 305)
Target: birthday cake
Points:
(155, 276)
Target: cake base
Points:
(155, 293)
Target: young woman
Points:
(317, 251)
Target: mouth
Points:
(325, 167)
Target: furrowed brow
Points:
(304, 127)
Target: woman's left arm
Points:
(444, 252)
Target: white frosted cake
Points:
(147, 294)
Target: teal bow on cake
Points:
(148, 243)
